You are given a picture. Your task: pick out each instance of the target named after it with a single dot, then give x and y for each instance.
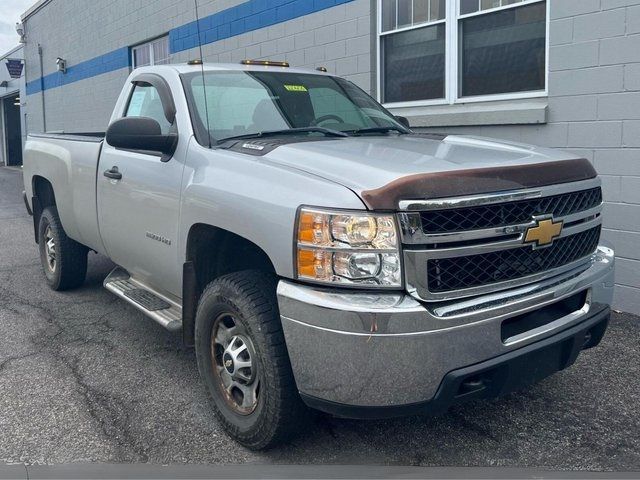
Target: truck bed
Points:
(69, 161)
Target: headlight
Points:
(352, 248)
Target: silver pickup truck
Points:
(319, 253)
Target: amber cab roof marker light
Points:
(195, 62)
(265, 63)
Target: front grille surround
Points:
(493, 256)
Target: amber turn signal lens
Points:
(306, 263)
(313, 228)
(305, 228)
(314, 264)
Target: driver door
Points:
(139, 210)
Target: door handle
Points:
(113, 173)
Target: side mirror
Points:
(141, 133)
(403, 121)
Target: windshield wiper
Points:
(379, 130)
(290, 131)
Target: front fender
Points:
(254, 199)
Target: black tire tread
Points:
(71, 255)
(254, 292)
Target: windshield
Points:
(234, 103)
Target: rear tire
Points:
(243, 360)
(64, 260)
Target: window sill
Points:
(505, 112)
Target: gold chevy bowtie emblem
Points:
(544, 233)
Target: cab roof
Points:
(183, 68)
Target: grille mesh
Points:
(512, 213)
(487, 268)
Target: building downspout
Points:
(44, 112)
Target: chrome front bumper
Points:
(387, 349)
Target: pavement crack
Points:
(5, 363)
(108, 411)
(111, 415)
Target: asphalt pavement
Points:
(86, 378)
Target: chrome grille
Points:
(464, 272)
(485, 216)
(466, 246)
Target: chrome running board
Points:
(163, 310)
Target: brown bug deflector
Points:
(477, 181)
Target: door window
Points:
(146, 102)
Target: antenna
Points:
(204, 89)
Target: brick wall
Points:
(594, 111)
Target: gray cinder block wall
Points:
(337, 38)
(594, 111)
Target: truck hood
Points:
(385, 169)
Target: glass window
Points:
(333, 104)
(404, 13)
(161, 51)
(437, 10)
(488, 4)
(141, 56)
(471, 6)
(151, 53)
(388, 15)
(420, 11)
(145, 102)
(501, 49)
(236, 104)
(241, 103)
(503, 52)
(414, 64)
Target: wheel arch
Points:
(212, 252)
(43, 197)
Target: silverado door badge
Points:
(158, 238)
(544, 232)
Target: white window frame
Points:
(452, 22)
(149, 45)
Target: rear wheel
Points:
(243, 360)
(64, 260)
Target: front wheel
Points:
(64, 260)
(243, 360)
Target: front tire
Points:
(64, 260)
(243, 360)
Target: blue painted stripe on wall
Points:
(243, 18)
(96, 66)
